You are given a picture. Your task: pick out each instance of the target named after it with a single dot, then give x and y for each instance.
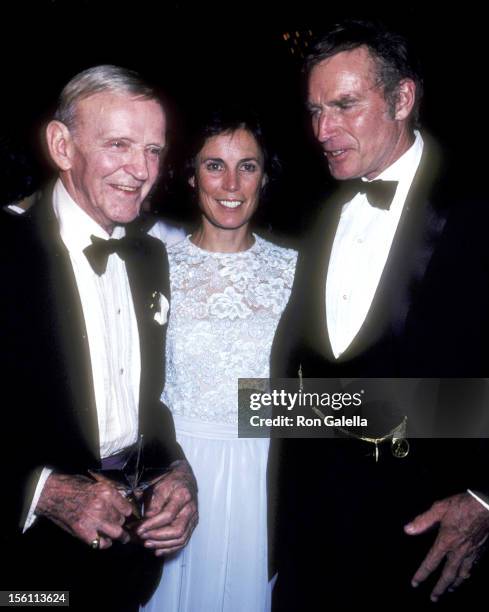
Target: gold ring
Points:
(95, 544)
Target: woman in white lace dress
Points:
(229, 288)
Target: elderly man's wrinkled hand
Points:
(171, 515)
(89, 510)
(463, 530)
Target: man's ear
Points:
(406, 96)
(60, 144)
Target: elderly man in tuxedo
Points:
(83, 328)
(382, 290)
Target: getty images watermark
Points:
(369, 409)
(315, 401)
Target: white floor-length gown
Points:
(225, 308)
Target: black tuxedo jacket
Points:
(49, 413)
(428, 318)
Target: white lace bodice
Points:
(225, 308)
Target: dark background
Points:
(211, 52)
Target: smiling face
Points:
(111, 158)
(358, 131)
(228, 177)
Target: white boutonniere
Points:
(159, 306)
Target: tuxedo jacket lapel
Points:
(148, 278)
(314, 291)
(414, 243)
(68, 326)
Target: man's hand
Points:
(171, 514)
(463, 529)
(84, 508)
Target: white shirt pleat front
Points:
(360, 250)
(111, 326)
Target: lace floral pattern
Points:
(225, 308)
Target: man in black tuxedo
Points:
(382, 289)
(83, 329)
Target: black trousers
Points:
(340, 543)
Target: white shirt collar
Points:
(406, 165)
(75, 226)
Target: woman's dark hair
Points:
(227, 120)
(391, 52)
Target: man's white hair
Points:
(96, 80)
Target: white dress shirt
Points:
(166, 232)
(112, 332)
(360, 250)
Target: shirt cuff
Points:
(31, 515)
(16, 209)
(479, 498)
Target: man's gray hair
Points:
(96, 80)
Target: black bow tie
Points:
(379, 193)
(98, 252)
